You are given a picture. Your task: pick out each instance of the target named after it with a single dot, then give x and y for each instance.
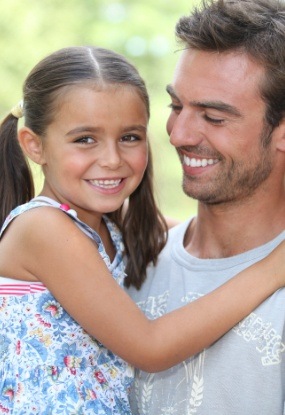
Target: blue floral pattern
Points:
(48, 364)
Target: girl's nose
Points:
(110, 156)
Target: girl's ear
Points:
(31, 145)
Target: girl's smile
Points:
(108, 186)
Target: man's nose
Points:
(183, 129)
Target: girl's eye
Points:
(85, 140)
(175, 107)
(130, 138)
(216, 121)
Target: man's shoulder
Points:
(178, 231)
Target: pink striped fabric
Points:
(21, 289)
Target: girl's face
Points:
(95, 150)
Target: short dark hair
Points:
(256, 27)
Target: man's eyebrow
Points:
(170, 90)
(217, 105)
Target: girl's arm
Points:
(56, 252)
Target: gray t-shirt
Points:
(241, 374)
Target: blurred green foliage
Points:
(143, 31)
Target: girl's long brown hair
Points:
(143, 227)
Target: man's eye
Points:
(175, 107)
(213, 120)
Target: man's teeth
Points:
(193, 162)
(106, 184)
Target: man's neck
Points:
(226, 230)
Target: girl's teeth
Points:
(106, 184)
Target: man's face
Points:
(217, 124)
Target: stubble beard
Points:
(232, 184)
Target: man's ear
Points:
(280, 139)
(31, 145)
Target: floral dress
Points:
(48, 363)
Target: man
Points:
(227, 123)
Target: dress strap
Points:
(41, 201)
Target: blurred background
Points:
(143, 31)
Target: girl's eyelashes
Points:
(85, 140)
(130, 138)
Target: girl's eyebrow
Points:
(88, 129)
(83, 129)
(217, 105)
(135, 127)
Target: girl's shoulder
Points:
(51, 219)
(42, 201)
(19, 210)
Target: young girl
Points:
(67, 328)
